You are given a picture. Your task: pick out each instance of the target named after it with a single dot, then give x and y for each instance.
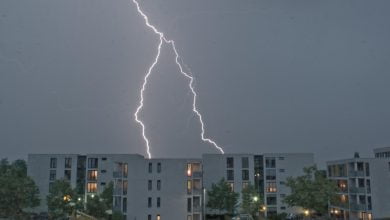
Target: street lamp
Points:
(255, 198)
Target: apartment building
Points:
(267, 172)
(156, 189)
(362, 188)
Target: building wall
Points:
(380, 182)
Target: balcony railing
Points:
(354, 173)
(358, 207)
(117, 174)
(354, 189)
(197, 174)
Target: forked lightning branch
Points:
(162, 40)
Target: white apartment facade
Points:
(363, 187)
(158, 189)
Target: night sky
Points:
(272, 76)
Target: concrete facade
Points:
(156, 189)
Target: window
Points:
(124, 205)
(68, 162)
(92, 163)
(53, 162)
(125, 170)
(189, 217)
(230, 175)
(281, 170)
(270, 187)
(231, 186)
(92, 187)
(124, 187)
(103, 183)
(189, 205)
(150, 168)
(367, 169)
(158, 217)
(229, 162)
(52, 175)
(103, 171)
(104, 158)
(196, 203)
(158, 202)
(281, 158)
(150, 183)
(271, 200)
(51, 186)
(283, 208)
(245, 185)
(149, 217)
(67, 174)
(245, 162)
(92, 175)
(158, 167)
(196, 217)
(158, 185)
(361, 182)
(389, 166)
(189, 169)
(189, 186)
(270, 162)
(270, 175)
(282, 195)
(150, 202)
(282, 183)
(196, 184)
(245, 174)
(196, 167)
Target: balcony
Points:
(117, 174)
(197, 174)
(340, 204)
(354, 173)
(197, 191)
(354, 189)
(358, 207)
(197, 209)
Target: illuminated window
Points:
(196, 184)
(196, 167)
(271, 187)
(125, 170)
(158, 217)
(189, 169)
(231, 186)
(245, 185)
(92, 187)
(92, 175)
(189, 186)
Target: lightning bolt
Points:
(162, 40)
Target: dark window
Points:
(104, 158)
(93, 163)
(367, 169)
(103, 171)
(149, 217)
(230, 175)
(150, 202)
(369, 202)
(229, 162)
(68, 162)
(52, 175)
(271, 200)
(245, 162)
(281, 158)
(150, 185)
(270, 175)
(245, 174)
(361, 182)
(158, 202)
(67, 174)
(150, 169)
(282, 182)
(281, 170)
(283, 208)
(270, 162)
(53, 162)
(158, 185)
(124, 204)
(103, 183)
(189, 205)
(158, 167)
(51, 186)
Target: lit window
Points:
(196, 184)
(92, 175)
(189, 169)
(231, 186)
(271, 187)
(245, 185)
(125, 170)
(92, 187)
(189, 186)
(196, 167)
(158, 217)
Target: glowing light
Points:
(162, 39)
(255, 198)
(306, 212)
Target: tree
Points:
(222, 198)
(18, 191)
(312, 191)
(61, 200)
(99, 204)
(251, 200)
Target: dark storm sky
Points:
(272, 76)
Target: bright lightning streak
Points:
(191, 81)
